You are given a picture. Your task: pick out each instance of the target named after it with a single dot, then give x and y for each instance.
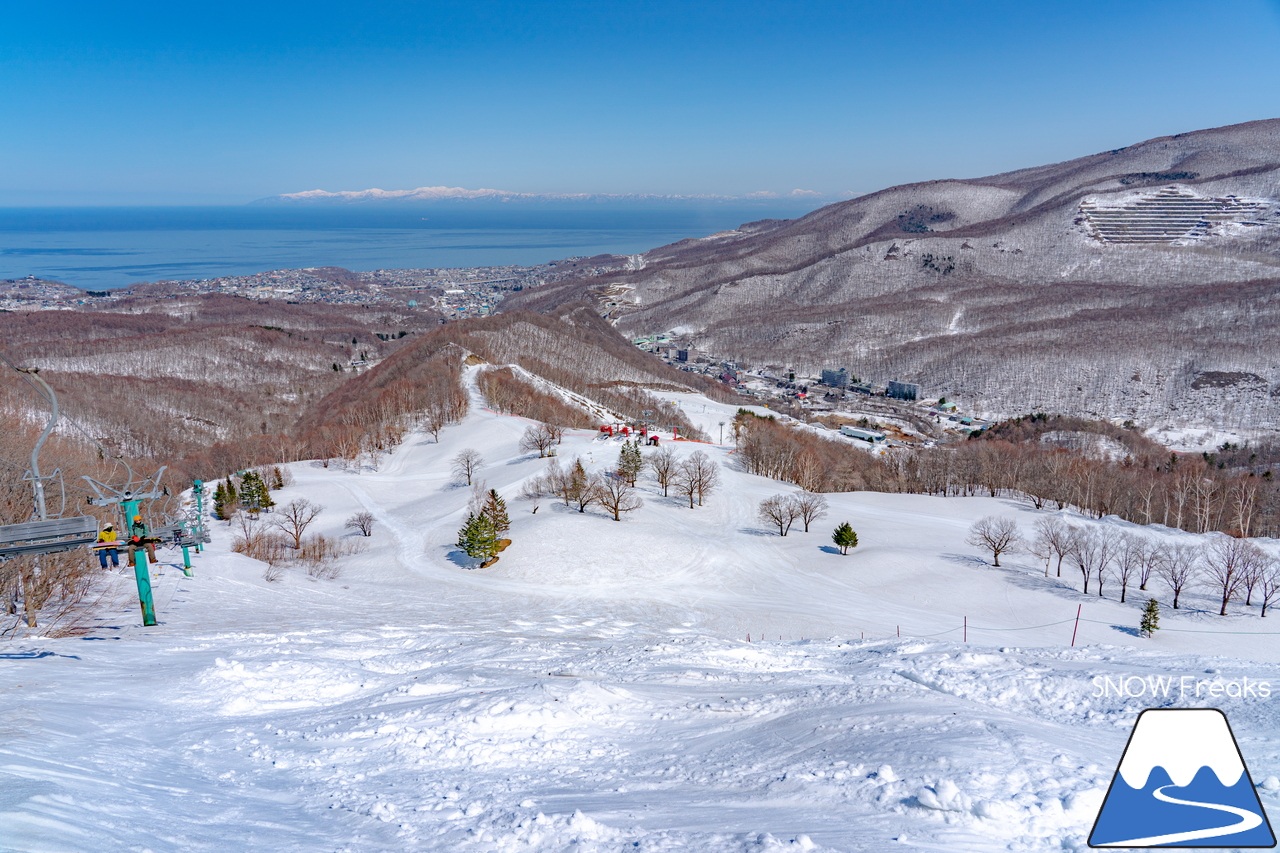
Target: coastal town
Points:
(453, 294)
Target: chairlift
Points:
(45, 535)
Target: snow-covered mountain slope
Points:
(1137, 283)
(594, 690)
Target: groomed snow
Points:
(594, 690)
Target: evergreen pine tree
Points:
(577, 479)
(844, 537)
(264, 491)
(254, 493)
(220, 502)
(477, 537)
(1150, 618)
(225, 500)
(495, 510)
(630, 462)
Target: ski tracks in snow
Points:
(409, 546)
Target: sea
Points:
(101, 248)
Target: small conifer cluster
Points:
(630, 462)
(481, 535)
(253, 495)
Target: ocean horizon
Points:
(104, 248)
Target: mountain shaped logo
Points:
(1182, 782)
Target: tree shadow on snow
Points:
(529, 457)
(1019, 576)
(966, 560)
(1124, 629)
(462, 560)
(32, 654)
(830, 549)
(756, 531)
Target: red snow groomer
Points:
(607, 429)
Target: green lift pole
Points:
(141, 571)
(197, 489)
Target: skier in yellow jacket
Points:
(107, 541)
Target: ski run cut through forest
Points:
(680, 679)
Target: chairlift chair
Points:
(47, 536)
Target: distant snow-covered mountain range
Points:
(427, 195)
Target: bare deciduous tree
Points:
(582, 487)
(361, 521)
(812, 506)
(618, 496)
(996, 534)
(808, 472)
(1092, 552)
(1053, 539)
(1179, 568)
(663, 464)
(539, 437)
(1268, 585)
(295, 517)
(697, 477)
(440, 410)
(1130, 558)
(1152, 557)
(534, 490)
(348, 450)
(1252, 577)
(476, 500)
(466, 464)
(779, 510)
(1228, 562)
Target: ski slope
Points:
(595, 690)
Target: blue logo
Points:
(1182, 782)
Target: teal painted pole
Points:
(141, 571)
(186, 561)
(198, 489)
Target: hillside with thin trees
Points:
(1140, 283)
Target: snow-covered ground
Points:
(595, 690)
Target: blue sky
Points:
(199, 102)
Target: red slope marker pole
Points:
(1077, 627)
(966, 629)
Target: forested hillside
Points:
(180, 378)
(213, 384)
(1140, 283)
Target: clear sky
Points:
(230, 101)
